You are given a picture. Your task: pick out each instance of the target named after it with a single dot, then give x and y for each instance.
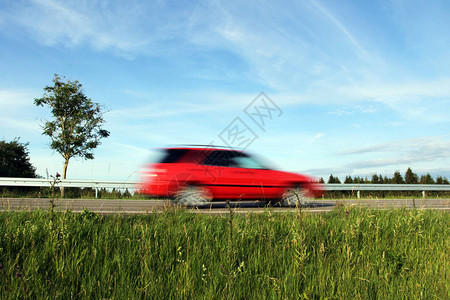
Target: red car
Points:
(197, 175)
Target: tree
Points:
(360, 180)
(376, 179)
(76, 127)
(333, 179)
(348, 179)
(14, 160)
(398, 179)
(442, 180)
(411, 177)
(426, 179)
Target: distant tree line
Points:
(409, 178)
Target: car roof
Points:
(203, 147)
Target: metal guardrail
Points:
(387, 187)
(81, 183)
(118, 184)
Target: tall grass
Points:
(348, 253)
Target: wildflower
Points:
(204, 274)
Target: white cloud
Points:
(127, 28)
(19, 124)
(316, 137)
(15, 99)
(346, 32)
(399, 152)
(17, 112)
(397, 91)
(143, 105)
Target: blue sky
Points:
(350, 87)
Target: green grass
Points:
(346, 254)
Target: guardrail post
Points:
(358, 193)
(96, 193)
(423, 194)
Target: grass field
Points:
(346, 254)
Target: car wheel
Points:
(295, 196)
(191, 195)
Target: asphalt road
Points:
(125, 206)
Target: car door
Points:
(268, 183)
(272, 183)
(228, 179)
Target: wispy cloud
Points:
(15, 99)
(213, 103)
(427, 154)
(414, 100)
(17, 110)
(346, 32)
(402, 152)
(127, 28)
(19, 124)
(316, 137)
(398, 91)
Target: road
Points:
(126, 206)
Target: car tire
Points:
(294, 196)
(192, 195)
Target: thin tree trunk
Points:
(66, 164)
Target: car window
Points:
(247, 162)
(221, 158)
(194, 156)
(173, 155)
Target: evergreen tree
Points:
(375, 179)
(426, 179)
(358, 180)
(348, 179)
(333, 179)
(398, 179)
(411, 177)
(441, 180)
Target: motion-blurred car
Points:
(198, 175)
